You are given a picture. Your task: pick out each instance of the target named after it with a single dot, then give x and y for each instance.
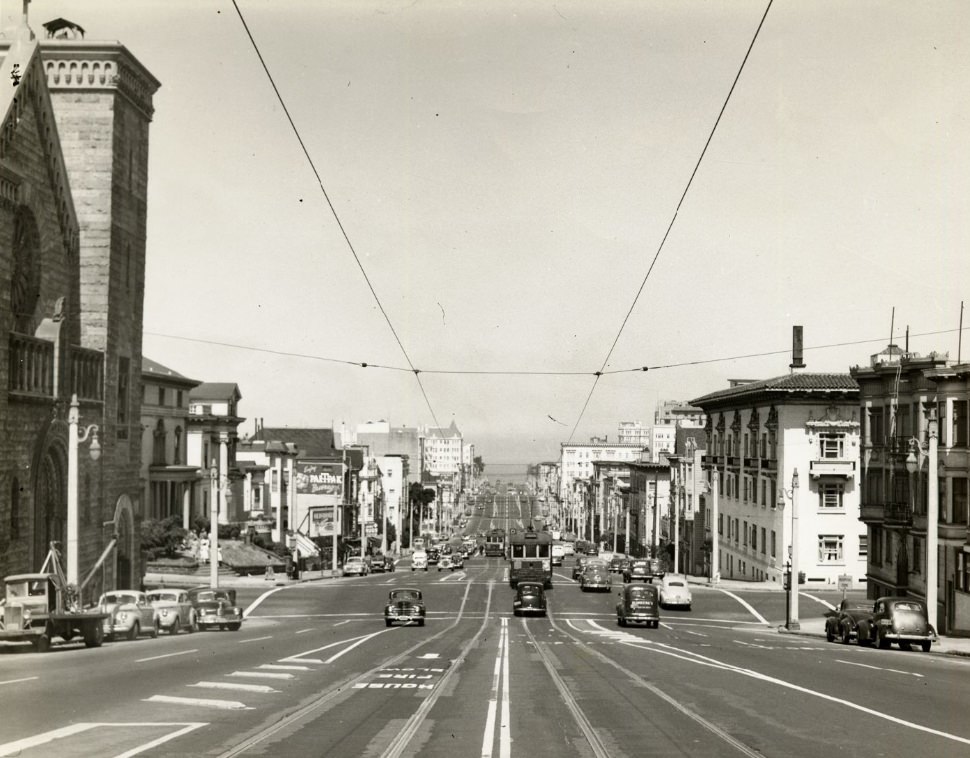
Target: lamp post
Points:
(932, 506)
(73, 440)
(715, 537)
(791, 622)
(217, 488)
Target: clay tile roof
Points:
(780, 385)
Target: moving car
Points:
(557, 553)
(530, 598)
(843, 622)
(216, 608)
(419, 560)
(898, 619)
(457, 560)
(173, 610)
(657, 569)
(638, 571)
(595, 577)
(639, 604)
(578, 565)
(674, 591)
(569, 548)
(129, 614)
(355, 566)
(405, 605)
(444, 562)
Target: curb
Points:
(815, 635)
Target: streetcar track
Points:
(650, 687)
(340, 688)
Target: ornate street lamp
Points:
(791, 622)
(932, 506)
(74, 439)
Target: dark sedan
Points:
(405, 605)
(595, 578)
(216, 608)
(530, 598)
(638, 571)
(898, 619)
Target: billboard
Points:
(323, 520)
(316, 478)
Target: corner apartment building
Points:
(576, 472)
(899, 393)
(759, 435)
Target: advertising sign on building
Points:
(323, 521)
(370, 529)
(316, 478)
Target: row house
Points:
(903, 395)
(778, 445)
(74, 122)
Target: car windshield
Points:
(162, 595)
(120, 597)
(676, 584)
(639, 592)
(908, 606)
(398, 596)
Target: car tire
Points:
(620, 621)
(388, 622)
(176, 627)
(193, 624)
(156, 628)
(926, 645)
(420, 622)
(884, 644)
(412, 569)
(42, 644)
(234, 627)
(829, 636)
(94, 635)
(846, 634)
(134, 631)
(905, 646)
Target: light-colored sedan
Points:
(355, 567)
(674, 591)
(129, 614)
(174, 610)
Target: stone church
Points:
(73, 205)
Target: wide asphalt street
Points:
(315, 672)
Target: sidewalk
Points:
(815, 627)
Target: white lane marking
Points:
(25, 679)
(347, 649)
(262, 674)
(666, 626)
(167, 655)
(702, 660)
(505, 728)
(255, 639)
(282, 666)
(879, 668)
(696, 634)
(299, 657)
(747, 605)
(428, 656)
(488, 741)
(303, 631)
(233, 686)
(566, 578)
(341, 623)
(12, 748)
(198, 702)
(255, 604)
(818, 600)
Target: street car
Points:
(129, 614)
(216, 608)
(843, 621)
(898, 619)
(674, 592)
(638, 571)
(530, 598)
(595, 577)
(355, 566)
(173, 610)
(419, 560)
(405, 605)
(639, 604)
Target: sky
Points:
(506, 173)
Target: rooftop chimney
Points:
(796, 348)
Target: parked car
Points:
(216, 608)
(530, 598)
(419, 560)
(639, 604)
(595, 577)
(674, 591)
(638, 571)
(843, 622)
(897, 619)
(405, 604)
(173, 610)
(129, 614)
(355, 566)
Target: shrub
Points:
(161, 537)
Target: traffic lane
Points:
(385, 705)
(774, 714)
(789, 666)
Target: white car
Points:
(356, 566)
(173, 610)
(569, 548)
(674, 591)
(419, 560)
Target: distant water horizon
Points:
(507, 472)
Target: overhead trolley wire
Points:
(670, 226)
(333, 210)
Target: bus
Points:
(530, 557)
(495, 543)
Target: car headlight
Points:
(122, 616)
(164, 611)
